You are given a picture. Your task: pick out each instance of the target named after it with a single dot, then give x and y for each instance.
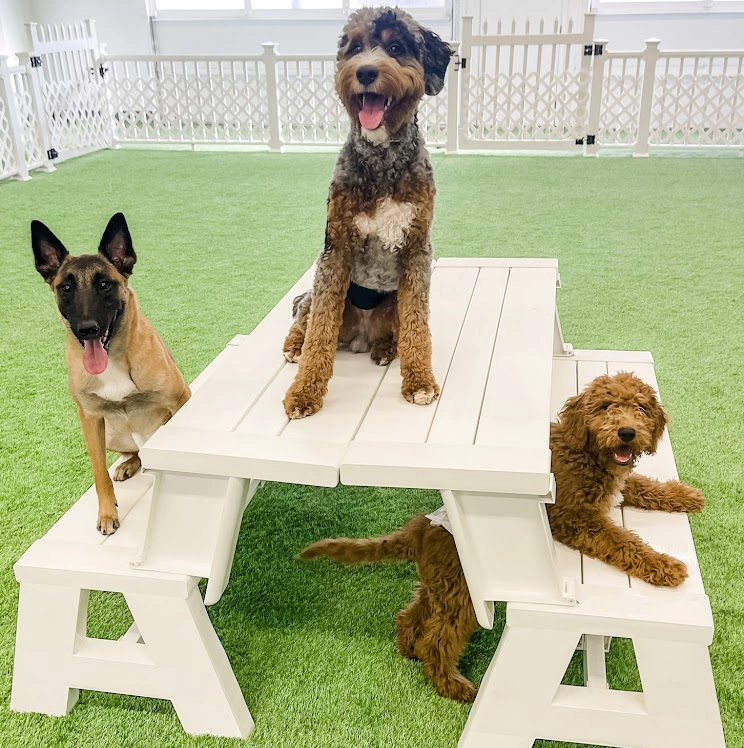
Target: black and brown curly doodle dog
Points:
(371, 287)
(595, 445)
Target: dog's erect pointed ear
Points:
(49, 252)
(436, 58)
(573, 421)
(116, 245)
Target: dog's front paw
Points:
(292, 352)
(458, 688)
(664, 571)
(686, 498)
(108, 522)
(299, 403)
(420, 392)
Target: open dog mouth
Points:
(622, 455)
(95, 350)
(372, 109)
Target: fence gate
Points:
(66, 58)
(526, 90)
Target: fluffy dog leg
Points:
(446, 633)
(672, 496)
(409, 623)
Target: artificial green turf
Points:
(651, 259)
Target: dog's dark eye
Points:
(606, 406)
(354, 48)
(66, 287)
(395, 49)
(104, 285)
(642, 409)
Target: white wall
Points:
(677, 31)
(13, 16)
(244, 36)
(125, 27)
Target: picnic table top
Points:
(493, 325)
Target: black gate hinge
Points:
(52, 154)
(102, 70)
(593, 50)
(590, 139)
(579, 141)
(461, 63)
(35, 62)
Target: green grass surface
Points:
(651, 259)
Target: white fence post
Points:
(595, 96)
(103, 70)
(650, 57)
(453, 99)
(37, 102)
(14, 120)
(466, 49)
(272, 93)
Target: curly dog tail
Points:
(398, 546)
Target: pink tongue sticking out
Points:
(372, 111)
(95, 357)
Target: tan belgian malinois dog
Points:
(120, 373)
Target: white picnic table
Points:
(504, 371)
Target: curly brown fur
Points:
(599, 436)
(380, 211)
(439, 621)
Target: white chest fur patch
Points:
(390, 223)
(114, 384)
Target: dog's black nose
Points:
(89, 329)
(367, 74)
(626, 434)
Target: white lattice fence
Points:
(33, 149)
(698, 99)
(525, 90)
(73, 89)
(8, 166)
(621, 100)
(193, 100)
(309, 110)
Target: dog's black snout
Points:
(89, 329)
(367, 74)
(626, 434)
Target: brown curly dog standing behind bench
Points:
(595, 444)
(371, 287)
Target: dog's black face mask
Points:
(91, 290)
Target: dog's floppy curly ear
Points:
(437, 55)
(116, 245)
(660, 419)
(573, 422)
(49, 252)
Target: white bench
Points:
(500, 359)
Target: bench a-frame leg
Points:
(179, 658)
(194, 670)
(521, 697)
(50, 621)
(518, 687)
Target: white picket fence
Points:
(540, 87)
(269, 99)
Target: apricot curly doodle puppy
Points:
(599, 436)
(439, 621)
(371, 287)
